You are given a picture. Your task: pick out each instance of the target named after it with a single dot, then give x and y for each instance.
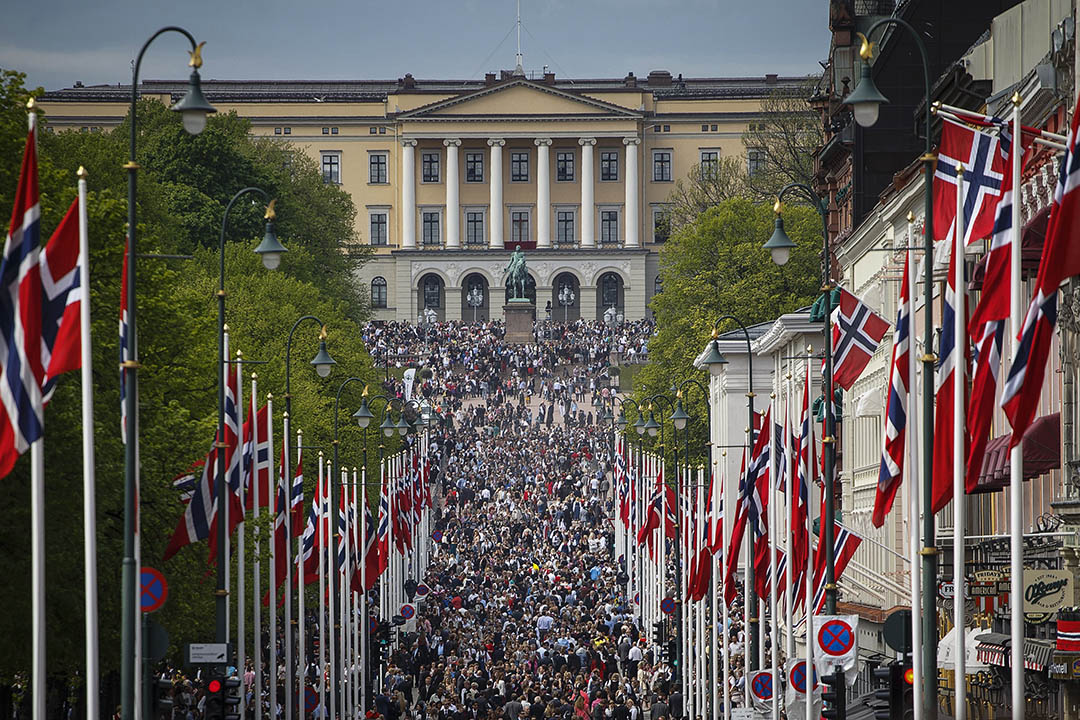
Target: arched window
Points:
(378, 292)
(609, 290)
(432, 291)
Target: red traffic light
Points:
(909, 676)
(214, 686)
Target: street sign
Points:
(897, 631)
(836, 638)
(761, 685)
(408, 611)
(311, 699)
(637, 598)
(667, 605)
(373, 625)
(797, 677)
(437, 536)
(153, 590)
(422, 590)
(207, 653)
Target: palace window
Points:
(519, 226)
(378, 228)
(432, 292)
(710, 162)
(609, 227)
(564, 166)
(331, 168)
(609, 165)
(519, 167)
(609, 290)
(474, 167)
(564, 227)
(474, 227)
(377, 168)
(430, 228)
(755, 161)
(661, 225)
(378, 292)
(430, 167)
(661, 160)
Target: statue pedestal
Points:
(519, 321)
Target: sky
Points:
(59, 42)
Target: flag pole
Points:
(241, 581)
(256, 568)
(89, 501)
(291, 663)
(808, 577)
(913, 487)
(773, 580)
(277, 474)
(321, 534)
(789, 529)
(1016, 458)
(959, 495)
(363, 581)
(297, 671)
(331, 562)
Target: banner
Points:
(409, 377)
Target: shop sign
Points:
(1060, 671)
(1046, 592)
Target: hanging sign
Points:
(1045, 592)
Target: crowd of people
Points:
(526, 618)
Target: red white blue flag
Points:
(857, 330)
(891, 472)
(985, 168)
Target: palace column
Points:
(453, 203)
(495, 182)
(632, 221)
(588, 212)
(408, 194)
(543, 192)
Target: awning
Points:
(1037, 654)
(1042, 453)
(993, 649)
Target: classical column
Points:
(453, 204)
(543, 192)
(495, 182)
(588, 213)
(632, 221)
(408, 194)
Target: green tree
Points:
(788, 131)
(703, 188)
(716, 266)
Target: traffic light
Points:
(834, 695)
(907, 692)
(232, 697)
(888, 691)
(658, 632)
(215, 698)
(162, 697)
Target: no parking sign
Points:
(835, 642)
(761, 688)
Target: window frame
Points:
(566, 154)
(519, 156)
(482, 211)
(574, 225)
(424, 160)
(330, 155)
(437, 212)
(528, 213)
(604, 167)
(714, 162)
(384, 211)
(618, 225)
(756, 158)
(385, 156)
(471, 157)
(385, 293)
(658, 210)
(670, 161)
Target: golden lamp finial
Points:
(777, 206)
(866, 49)
(196, 56)
(270, 214)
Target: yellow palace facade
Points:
(448, 177)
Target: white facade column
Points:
(632, 221)
(453, 203)
(543, 192)
(408, 194)
(495, 183)
(588, 212)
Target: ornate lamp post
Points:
(194, 108)
(566, 299)
(475, 298)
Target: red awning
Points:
(1042, 453)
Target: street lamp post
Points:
(865, 100)
(566, 299)
(323, 364)
(271, 251)
(194, 108)
(475, 298)
(715, 362)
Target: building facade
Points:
(448, 177)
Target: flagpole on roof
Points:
(1016, 476)
(89, 500)
(959, 435)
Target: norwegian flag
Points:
(317, 531)
(382, 542)
(984, 377)
(1068, 635)
(622, 482)
(20, 317)
(232, 453)
(197, 521)
(653, 511)
(845, 543)
(296, 500)
(749, 508)
(800, 501)
(256, 457)
(281, 541)
(857, 330)
(61, 343)
(402, 511)
(370, 551)
(186, 482)
(948, 363)
(701, 580)
(891, 472)
(344, 548)
(671, 515)
(124, 354)
(781, 575)
(985, 168)
(417, 487)
(1060, 260)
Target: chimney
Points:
(505, 74)
(659, 78)
(489, 79)
(409, 82)
(549, 78)
(770, 79)
(630, 80)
